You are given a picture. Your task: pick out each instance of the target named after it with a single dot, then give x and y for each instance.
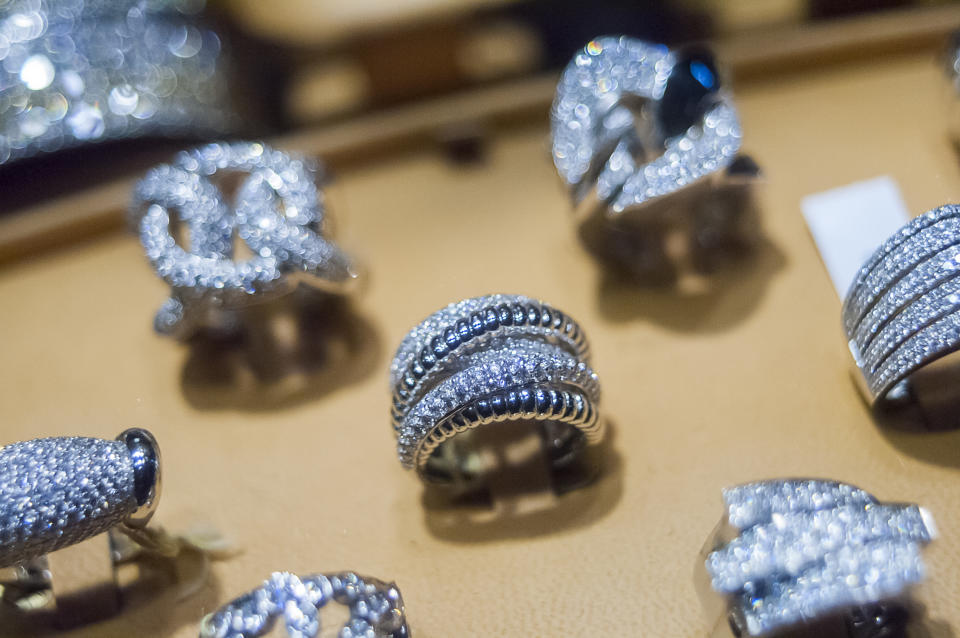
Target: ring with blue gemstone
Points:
(633, 122)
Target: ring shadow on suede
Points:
(524, 497)
(162, 599)
(297, 349)
(698, 261)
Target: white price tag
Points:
(849, 223)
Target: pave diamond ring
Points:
(812, 552)
(278, 215)
(59, 491)
(375, 607)
(56, 493)
(491, 359)
(633, 122)
(903, 310)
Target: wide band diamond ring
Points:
(491, 359)
(821, 554)
(903, 310)
(375, 607)
(278, 215)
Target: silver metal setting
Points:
(76, 72)
(490, 359)
(903, 310)
(810, 552)
(279, 215)
(375, 607)
(597, 148)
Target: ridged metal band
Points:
(376, 608)
(490, 359)
(901, 312)
(593, 130)
(794, 551)
(570, 406)
(462, 329)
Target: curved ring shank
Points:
(903, 309)
(491, 359)
(570, 407)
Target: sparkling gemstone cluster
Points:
(590, 116)
(809, 548)
(57, 491)
(279, 215)
(376, 608)
(903, 309)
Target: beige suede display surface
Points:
(744, 379)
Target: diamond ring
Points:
(812, 552)
(903, 310)
(633, 122)
(279, 216)
(375, 607)
(491, 359)
(647, 140)
(57, 492)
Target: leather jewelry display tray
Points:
(284, 445)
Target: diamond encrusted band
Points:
(278, 214)
(487, 359)
(805, 550)
(75, 72)
(596, 146)
(376, 608)
(901, 312)
(59, 491)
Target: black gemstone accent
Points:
(484, 409)
(504, 315)
(543, 402)
(498, 405)
(427, 360)
(490, 320)
(476, 324)
(528, 401)
(463, 330)
(513, 402)
(438, 347)
(690, 91)
(451, 338)
(533, 315)
(519, 315)
(545, 318)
